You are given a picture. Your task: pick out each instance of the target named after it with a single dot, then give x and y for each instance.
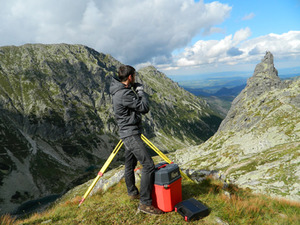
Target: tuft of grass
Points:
(6, 220)
(228, 203)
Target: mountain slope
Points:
(228, 205)
(57, 122)
(177, 117)
(257, 145)
(54, 119)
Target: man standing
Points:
(129, 103)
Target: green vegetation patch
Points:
(230, 205)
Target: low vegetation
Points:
(228, 203)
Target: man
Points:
(129, 103)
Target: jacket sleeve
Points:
(136, 102)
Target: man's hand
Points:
(139, 88)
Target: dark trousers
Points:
(135, 150)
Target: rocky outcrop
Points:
(57, 122)
(257, 144)
(264, 80)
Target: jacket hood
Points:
(115, 85)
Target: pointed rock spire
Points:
(265, 77)
(266, 68)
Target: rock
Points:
(108, 180)
(257, 144)
(220, 221)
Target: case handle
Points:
(162, 166)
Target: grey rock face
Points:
(266, 68)
(257, 144)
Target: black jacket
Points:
(128, 107)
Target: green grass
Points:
(114, 207)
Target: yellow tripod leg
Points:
(155, 149)
(163, 156)
(101, 172)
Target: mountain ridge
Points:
(56, 117)
(257, 144)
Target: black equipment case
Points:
(192, 209)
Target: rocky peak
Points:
(265, 77)
(153, 71)
(264, 81)
(257, 144)
(266, 68)
(149, 69)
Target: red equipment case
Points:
(167, 190)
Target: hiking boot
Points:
(134, 197)
(150, 209)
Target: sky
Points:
(178, 37)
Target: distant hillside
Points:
(57, 122)
(219, 93)
(258, 143)
(219, 104)
(222, 99)
(234, 91)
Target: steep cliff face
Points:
(57, 121)
(257, 144)
(177, 117)
(54, 116)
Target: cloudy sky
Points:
(177, 36)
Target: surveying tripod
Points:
(113, 154)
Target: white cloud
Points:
(238, 49)
(241, 35)
(212, 51)
(141, 31)
(283, 45)
(135, 31)
(249, 16)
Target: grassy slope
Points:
(114, 207)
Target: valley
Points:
(56, 118)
